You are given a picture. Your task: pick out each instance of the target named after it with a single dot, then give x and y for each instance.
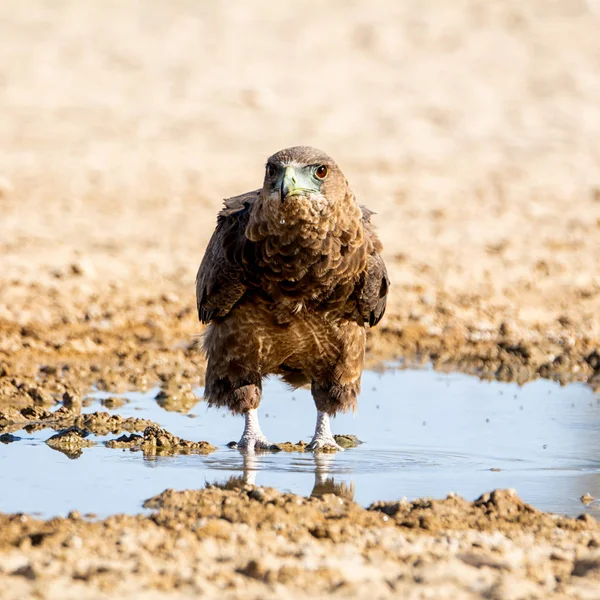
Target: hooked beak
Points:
(297, 181)
(288, 183)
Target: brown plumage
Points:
(290, 279)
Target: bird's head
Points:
(304, 178)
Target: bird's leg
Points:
(253, 438)
(331, 397)
(323, 438)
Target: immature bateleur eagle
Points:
(290, 279)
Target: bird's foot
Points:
(323, 439)
(253, 438)
(324, 443)
(254, 442)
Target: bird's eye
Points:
(321, 172)
(270, 170)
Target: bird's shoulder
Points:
(237, 206)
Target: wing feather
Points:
(375, 283)
(220, 282)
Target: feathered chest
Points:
(303, 259)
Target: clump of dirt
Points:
(346, 440)
(113, 402)
(177, 396)
(27, 391)
(291, 447)
(503, 508)
(34, 418)
(158, 441)
(72, 402)
(70, 442)
(103, 423)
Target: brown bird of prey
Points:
(291, 278)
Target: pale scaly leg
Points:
(323, 437)
(253, 438)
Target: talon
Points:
(323, 439)
(253, 438)
(252, 444)
(324, 445)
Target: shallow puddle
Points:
(425, 434)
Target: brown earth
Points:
(471, 128)
(260, 543)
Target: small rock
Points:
(72, 401)
(177, 398)
(70, 442)
(157, 440)
(255, 570)
(347, 440)
(76, 269)
(113, 402)
(584, 567)
(26, 571)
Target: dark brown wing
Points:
(374, 284)
(220, 280)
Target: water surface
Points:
(425, 434)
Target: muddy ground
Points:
(472, 129)
(259, 543)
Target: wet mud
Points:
(344, 440)
(35, 418)
(70, 442)
(158, 441)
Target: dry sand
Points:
(471, 128)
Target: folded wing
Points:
(220, 280)
(374, 284)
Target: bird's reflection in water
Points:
(248, 476)
(324, 482)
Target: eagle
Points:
(291, 279)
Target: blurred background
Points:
(471, 127)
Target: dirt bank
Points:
(259, 543)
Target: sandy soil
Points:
(259, 543)
(471, 128)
